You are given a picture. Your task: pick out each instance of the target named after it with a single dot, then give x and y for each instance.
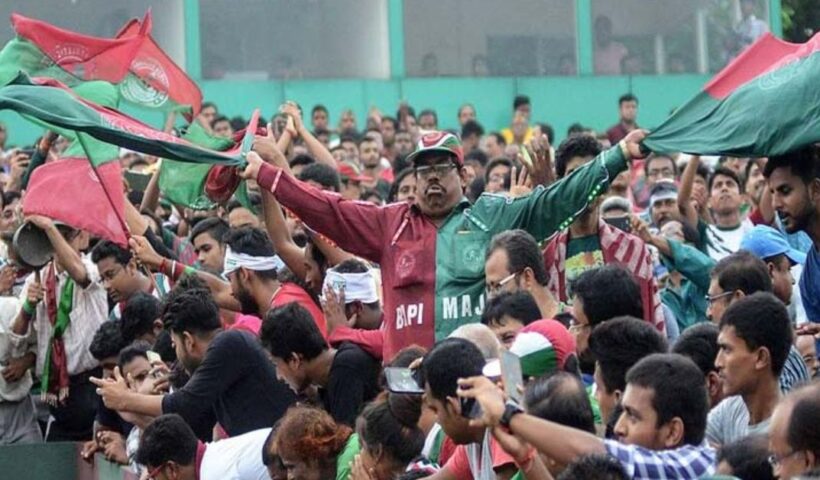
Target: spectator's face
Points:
(351, 189)
(339, 154)
(524, 111)
(184, 348)
(404, 143)
(638, 424)
(506, 329)
(208, 114)
(660, 168)
(292, 372)
(520, 124)
(407, 189)
(369, 154)
(579, 326)
(497, 274)
(319, 120)
(448, 415)
(664, 211)
(794, 201)
(388, 132)
(629, 111)
(239, 280)
(242, 217)
(782, 279)
(790, 463)
(807, 347)
(607, 400)
(313, 274)
(223, 129)
(120, 281)
(495, 178)
(428, 122)
(302, 469)
(351, 149)
(9, 220)
(438, 189)
(737, 365)
(210, 253)
(755, 183)
(725, 195)
(493, 148)
(466, 114)
(137, 370)
(347, 122)
(720, 301)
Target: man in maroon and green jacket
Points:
(432, 253)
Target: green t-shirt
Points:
(345, 458)
(583, 253)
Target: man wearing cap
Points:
(771, 246)
(590, 242)
(352, 178)
(432, 252)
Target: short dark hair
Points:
(301, 159)
(167, 439)
(478, 156)
(393, 433)
(394, 187)
(214, 226)
(138, 315)
(193, 310)
(679, 390)
(471, 127)
(742, 271)
(802, 432)
(520, 100)
(594, 467)
(726, 172)
(429, 111)
(318, 108)
(620, 343)
(322, 174)
(219, 119)
(351, 265)
(252, 241)
(804, 163)
(290, 329)
(608, 292)
(560, 397)
(699, 342)
(627, 97)
(522, 252)
(659, 156)
(449, 360)
(761, 320)
(748, 457)
(519, 305)
(107, 341)
(494, 163)
(129, 353)
(109, 249)
(575, 146)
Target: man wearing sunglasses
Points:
(432, 253)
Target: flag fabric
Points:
(69, 190)
(53, 105)
(144, 74)
(765, 102)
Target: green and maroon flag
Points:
(143, 73)
(765, 102)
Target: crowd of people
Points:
(355, 317)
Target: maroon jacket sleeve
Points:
(357, 227)
(371, 341)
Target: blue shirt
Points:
(688, 462)
(810, 286)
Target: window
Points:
(103, 18)
(293, 39)
(639, 37)
(489, 38)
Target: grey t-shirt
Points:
(729, 421)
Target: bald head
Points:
(481, 336)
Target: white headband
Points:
(357, 286)
(234, 260)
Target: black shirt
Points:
(237, 382)
(353, 382)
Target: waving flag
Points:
(766, 102)
(144, 74)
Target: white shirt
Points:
(89, 311)
(724, 242)
(236, 458)
(11, 392)
(729, 422)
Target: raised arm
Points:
(67, 257)
(314, 146)
(150, 198)
(687, 210)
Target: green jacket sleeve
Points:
(548, 210)
(693, 264)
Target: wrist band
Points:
(28, 308)
(625, 150)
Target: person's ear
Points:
(814, 191)
(673, 432)
(713, 384)
(763, 359)
(462, 174)
(188, 340)
(617, 394)
(529, 278)
(158, 326)
(453, 406)
(811, 459)
(738, 294)
(295, 360)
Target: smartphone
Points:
(403, 380)
(470, 408)
(621, 223)
(28, 152)
(512, 376)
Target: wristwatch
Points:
(511, 409)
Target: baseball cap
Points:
(543, 346)
(616, 203)
(438, 142)
(352, 172)
(663, 190)
(765, 242)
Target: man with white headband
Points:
(362, 306)
(663, 203)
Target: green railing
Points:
(56, 461)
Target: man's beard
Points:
(247, 304)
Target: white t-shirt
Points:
(236, 458)
(724, 242)
(729, 421)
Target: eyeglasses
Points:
(575, 328)
(775, 459)
(710, 299)
(152, 475)
(493, 289)
(440, 169)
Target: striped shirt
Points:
(686, 462)
(794, 371)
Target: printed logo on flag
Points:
(66, 54)
(137, 90)
(782, 72)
